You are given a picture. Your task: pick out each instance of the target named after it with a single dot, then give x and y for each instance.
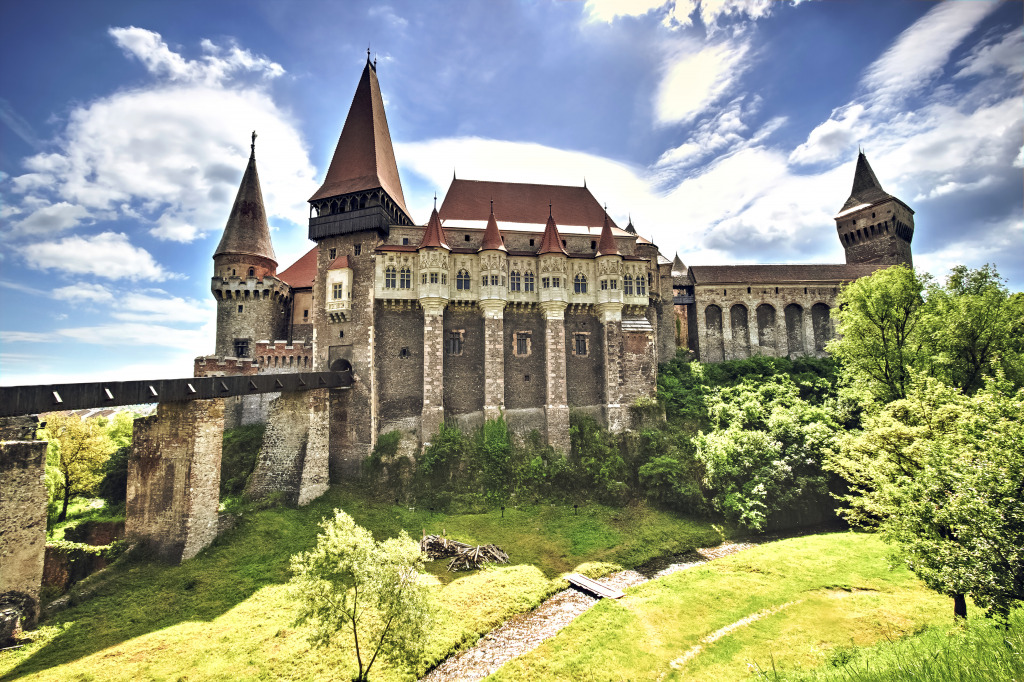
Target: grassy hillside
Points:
(227, 614)
(785, 606)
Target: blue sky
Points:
(728, 130)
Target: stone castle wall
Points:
(22, 524)
(737, 321)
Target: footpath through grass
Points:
(227, 614)
(789, 605)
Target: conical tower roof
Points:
(364, 158)
(247, 232)
(866, 188)
(492, 240)
(552, 241)
(606, 247)
(433, 236)
(678, 265)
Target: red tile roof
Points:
(606, 247)
(338, 263)
(516, 202)
(552, 241)
(247, 231)
(722, 274)
(364, 158)
(492, 235)
(301, 273)
(433, 236)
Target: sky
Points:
(727, 131)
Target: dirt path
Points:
(525, 632)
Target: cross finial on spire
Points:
(435, 201)
(492, 206)
(549, 209)
(367, 52)
(253, 145)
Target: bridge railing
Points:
(19, 400)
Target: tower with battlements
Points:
(874, 226)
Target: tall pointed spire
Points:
(364, 158)
(606, 247)
(629, 225)
(866, 187)
(247, 232)
(551, 242)
(492, 235)
(433, 236)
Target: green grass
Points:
(835, 590)
(81, 509)
(228, 614)
(980, 651)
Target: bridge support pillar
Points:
(22, 528)
(294, 458)
(174, 478)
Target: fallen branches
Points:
(464, 557)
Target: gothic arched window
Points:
(462, 281)
(389, 277)
(579, 284)
(641, 286)
(627, 285)
(405, 278)
(528, 281)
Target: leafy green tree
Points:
(765, 450)
(350, 584)
(941, 474)
(81, 447)
(878, 336)
(973, 326)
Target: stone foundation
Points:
(174, 478)
(22, 525)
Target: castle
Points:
(514, 300)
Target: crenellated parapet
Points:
(249, 288)
(283, 357)
(224, 366)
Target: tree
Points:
(877, 330)
(765, 450)
(81, 447)
(374, 590)
(972, 327)
(941, 475)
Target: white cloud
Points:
(387, 13)
(992, 56)
(158, 306)
(921, 52)
(169, 156)
(694, 81)
(215, 67)
(680, 13)
(609, 10)
(84, 291)
(833, 138)
(108, 254)
(722, 134)
(51, 219)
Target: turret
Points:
(432, 263)
(362, 190)
(252, 303)
(609, 274)
(493, 262)
(874, 226)
(553, 266)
